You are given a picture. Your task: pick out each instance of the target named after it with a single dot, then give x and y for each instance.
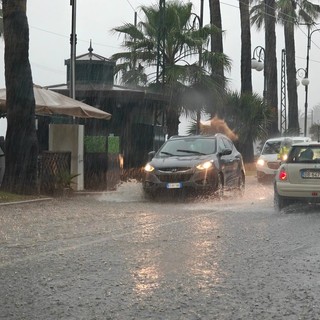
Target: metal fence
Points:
(51, 166)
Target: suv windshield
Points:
(187, 147)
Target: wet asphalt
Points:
(117, 255)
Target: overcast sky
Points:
(50, 28)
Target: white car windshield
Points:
(271, 147)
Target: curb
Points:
(24, 201)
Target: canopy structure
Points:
(49, 103)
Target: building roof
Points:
(90, 56)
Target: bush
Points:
(97, 144)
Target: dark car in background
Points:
(196, 162)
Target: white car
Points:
(298, 178)
(268, 163)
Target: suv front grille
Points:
(174, 177)
(174, 169)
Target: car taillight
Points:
(283, 175)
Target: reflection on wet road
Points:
(119, 256)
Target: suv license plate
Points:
(176, 185)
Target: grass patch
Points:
(12, 197)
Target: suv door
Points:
(232, 163)
(226, 162)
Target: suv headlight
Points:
(205, 165)
(260, 162)
(148, 167)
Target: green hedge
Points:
(94, 144)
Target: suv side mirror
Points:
(225, 152)
(151, 155)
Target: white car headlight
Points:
(260, 162)
(148, 167)
(205, 165)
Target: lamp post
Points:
(306, 77)
(73, 42)
(303, 73)
(259, 53)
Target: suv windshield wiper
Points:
(166, 153)
(190, 151)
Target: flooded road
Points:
(119, 256)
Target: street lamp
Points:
(303, 74)
(259, 53)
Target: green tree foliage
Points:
(249, 117)
(181, 75)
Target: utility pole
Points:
(283, 117)
(73, 42)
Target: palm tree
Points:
(271, 65)
(246, 78)
(248, 118)
(287, 15)
(264, 13)
(21, 146)
(216, 37)
(181, 71)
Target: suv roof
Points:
(192, 136)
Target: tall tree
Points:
(21, 146)
(217, 48)
(288, 15)
(181, 74)
(246, 78)
(271, 65)
(264, 14)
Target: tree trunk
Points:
(293, 122)
(172, 122)
(217, 45)
(246, 78)
(247, 151)
(271, 65)
(21, 146)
